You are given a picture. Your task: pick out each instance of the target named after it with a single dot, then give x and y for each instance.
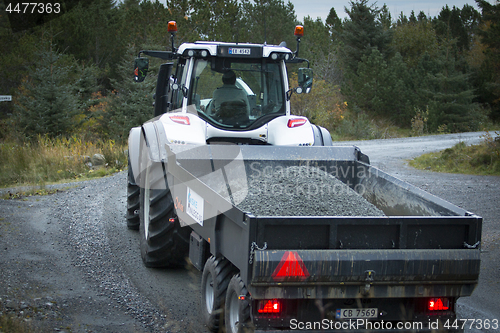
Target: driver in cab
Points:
(229, 95)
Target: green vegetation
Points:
(57, 160)
(11, 324)
(29, 193)
(482, 159)
(375, 76)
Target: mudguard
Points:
(327, 137)
(151, 141)
(321, 136)
(150, 136)
(134, 143)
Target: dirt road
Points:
(69, 264)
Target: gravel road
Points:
(69, 264)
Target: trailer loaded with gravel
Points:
(290, 232)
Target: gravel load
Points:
(303, 191)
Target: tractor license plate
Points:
(356, 313)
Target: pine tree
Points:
(89, 32)
(413, 18)
(459, 24)
(270, 21)
(422, 17)
(385, 17)
(381, 87)
(334, 23)
(450, 97)
(363, 40)
(363, 33)
(47, 102)
(217, 20)
(490, 69)
(18, 51)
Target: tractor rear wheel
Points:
(164, 242)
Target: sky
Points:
(321, 8)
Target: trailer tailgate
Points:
(344, 257)
(354, 273)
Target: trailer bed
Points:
(421, 245)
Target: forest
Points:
(71, 74)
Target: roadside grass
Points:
(61, 160)
(481, 159)
(36, 190)
(359, 126)
(11, 324)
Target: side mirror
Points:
(141, 66)
(305, 80)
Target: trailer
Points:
(338, 273)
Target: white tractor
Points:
(219, 93)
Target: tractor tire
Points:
(133, 203)
(163, 243)
(237, 312)
(214, 281)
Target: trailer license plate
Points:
(356, 313)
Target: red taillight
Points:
(438, 304)
(290, 266)
(296, 122)
(184, 120)
(269, 306)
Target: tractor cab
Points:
(237, 88)
(231, 87)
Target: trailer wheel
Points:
(237, 311)
(214, 281)
(163, 243)
(133, 202)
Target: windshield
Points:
(237, 93)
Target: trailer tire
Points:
(133, 201)
(236, 311)
(214, 281)
(163, 243)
